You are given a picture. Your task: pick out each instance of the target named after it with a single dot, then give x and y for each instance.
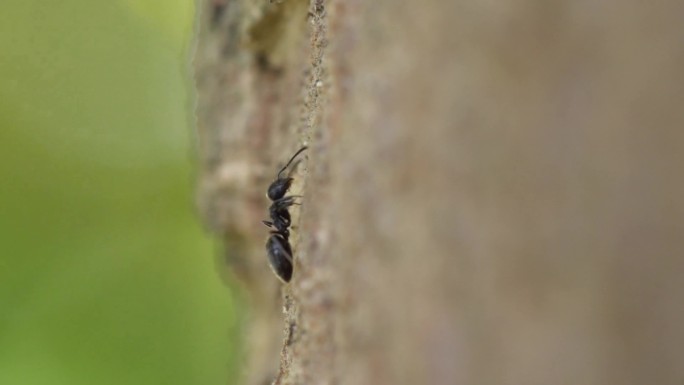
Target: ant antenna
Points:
(291, 159)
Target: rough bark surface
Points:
(493, 192)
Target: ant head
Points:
(278, 188)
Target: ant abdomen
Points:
(280, 256)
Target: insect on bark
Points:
(278, 245)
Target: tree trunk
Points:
(493, 192)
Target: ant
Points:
(278, 244)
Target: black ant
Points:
(278, 244)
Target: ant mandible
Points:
(278, 244)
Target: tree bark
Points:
(493, 192)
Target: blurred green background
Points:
(105, 274)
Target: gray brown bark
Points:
(492, 195)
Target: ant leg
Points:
(285, 202)
(281, 224)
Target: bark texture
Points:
(493, 192)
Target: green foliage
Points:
(105, 275)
